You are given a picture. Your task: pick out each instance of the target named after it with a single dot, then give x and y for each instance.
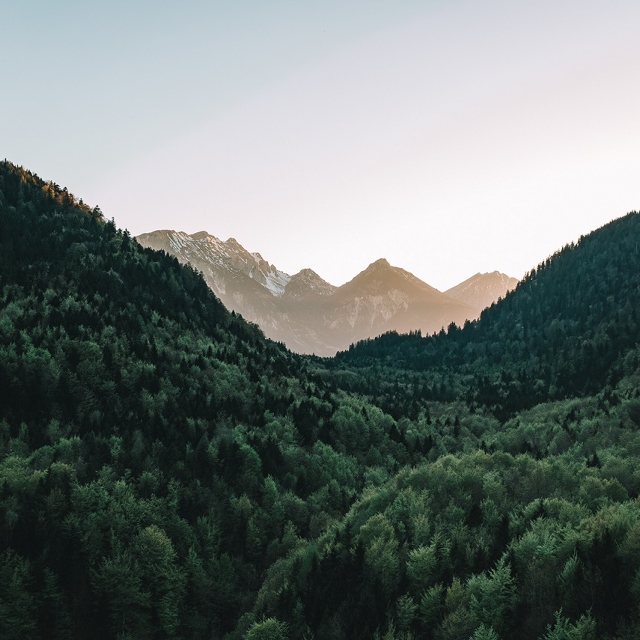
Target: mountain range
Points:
(312, 316)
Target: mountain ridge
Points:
(483, 289)
(311, 315)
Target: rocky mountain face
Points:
(383, 298)
(482, 289)
(312, 316)
(220, 262)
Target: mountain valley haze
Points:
(312, 316)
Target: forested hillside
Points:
(561, 333)
(167, 472)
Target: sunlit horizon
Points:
(448, 138)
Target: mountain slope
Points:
(562, 332)
(483, 289)
(307, 283)
(382, 298)
(135, 411)
(249, 285)
(219, 261)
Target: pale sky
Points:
(449, 137)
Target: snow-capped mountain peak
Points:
(213, 256)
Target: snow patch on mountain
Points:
(210, 254)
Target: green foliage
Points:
(568, 329)
(431, 604)
(269, 629)
(493, 596)
(583, 629)
(405, 612)
(484, 633)
(166, 471)
(17, 604)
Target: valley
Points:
(167, 471)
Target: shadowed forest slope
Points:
(562, 332)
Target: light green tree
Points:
(563, 629)
(163, 578)
(484, 633)
(268, 629)
(492, 597)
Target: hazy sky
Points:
(449, 137)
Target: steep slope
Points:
(135, 411)
(249, 285)
(243, 281)
(220, 262)
(307, 283)
(483, 289)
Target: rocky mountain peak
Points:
(482, 289)
(308, 282)
(379, 264)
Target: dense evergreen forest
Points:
(167, 472)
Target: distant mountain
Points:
(483, 289)
(312, 316)
(562, 332)
(384, 298)
(307, 283)
(222, 263)
(283, 306)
